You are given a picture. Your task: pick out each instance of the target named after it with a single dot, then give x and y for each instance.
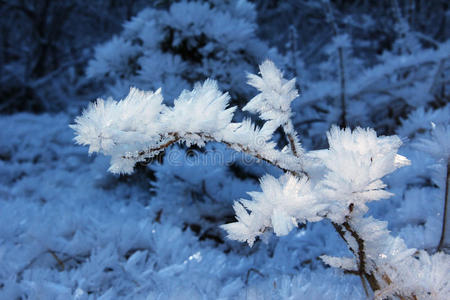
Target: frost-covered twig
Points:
(339, 181)
(275, 158)
(359, 253)
(141, 126)
(346, 177)
(273, 103)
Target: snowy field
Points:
(70, 230)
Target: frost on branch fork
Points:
(140, 126)
(334, 184)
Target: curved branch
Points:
(277, 158)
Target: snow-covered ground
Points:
(70, 230)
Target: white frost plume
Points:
(204, 109)
(273, 103)
(355, 162)
(282, 204)
(140, 126)
(106, 125)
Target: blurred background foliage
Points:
(46, 44)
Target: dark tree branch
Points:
(174, 137)
(444, 221)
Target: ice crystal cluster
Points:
(334, 184)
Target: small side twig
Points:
(356, 252)
(60, 262)
(359, 253)
(252, 270)
(294, 144)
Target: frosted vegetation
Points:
(334, 184)
(175, 48)
(264, 150)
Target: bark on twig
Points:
(173, 137)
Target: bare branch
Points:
(446, 207)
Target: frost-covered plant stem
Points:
(334, 184)
(174, 137)
(359, 254)
(446, 208)
(292, 138)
